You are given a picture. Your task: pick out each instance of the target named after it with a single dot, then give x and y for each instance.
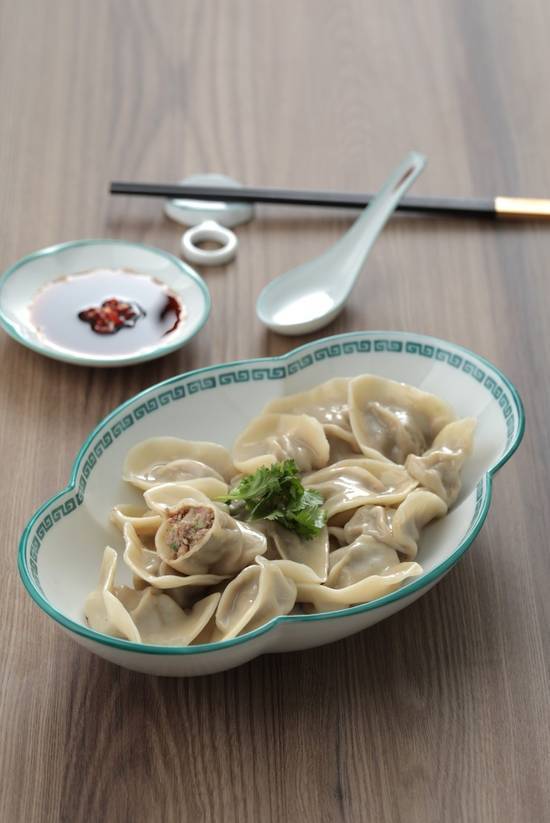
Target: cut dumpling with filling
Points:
(312, 552)
(393, 419)
(398, 528)
(328, 403)
(170, 459)
(324, 598)
(272, 438)
(152, 569)
(352, 483)
(258, 594)
(363, 558)
(439, 469)
(199, 538)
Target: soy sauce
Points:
(112, 316)
(106, 312)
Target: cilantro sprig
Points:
(276, 493)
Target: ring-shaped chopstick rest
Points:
(209, 230)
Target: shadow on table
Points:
(367, 703)
(291, 220)
(405, 661)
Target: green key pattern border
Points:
(246, 374)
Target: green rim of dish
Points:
(415, 586)
(67, 357)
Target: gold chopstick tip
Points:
(522, 206)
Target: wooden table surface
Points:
(441, 712)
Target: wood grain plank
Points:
(440, 713)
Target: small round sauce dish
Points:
(102, 302)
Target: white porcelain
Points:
(19, 284)
(190, 212)
(209, 230)
(61, 548)
(310, 296)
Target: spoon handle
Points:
(354, 246)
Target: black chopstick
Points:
(526, 207)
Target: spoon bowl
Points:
(310, 296)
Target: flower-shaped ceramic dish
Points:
(20, 283)
(61, 548)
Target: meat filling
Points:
(187, 527)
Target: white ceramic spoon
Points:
(308, 297)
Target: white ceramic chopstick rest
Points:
(210, 220)
(209, 230)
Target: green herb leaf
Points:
(276, 493)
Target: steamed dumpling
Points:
(95, 611)
(170, 459)
(342, 444)
(312, 553)
(199, 538)
(415, 512)
(167, 496)
(298, 572)
(158, 619)
(394, 419)
(361, 559)
(352, 483)
(328, 403)
(324, 598)
(398, 528)
(253, 598)
(439, 469)
(145, 616)
(272, 438)
(337, 537)
(373, 521)
(144, 521)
